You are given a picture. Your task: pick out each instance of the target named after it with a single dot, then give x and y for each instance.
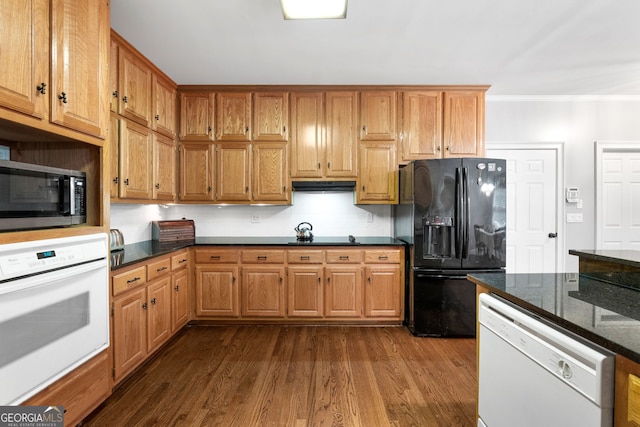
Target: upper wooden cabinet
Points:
(233, 166)
(197, 171)
(164, 168)
(24, 43)
(270, 177)
(307, 118)
(233, 116)
(136, 150)
(464, 124)
(134, 83)
(197, 116)
(341, 145)
(79, 65)
(377, 181)
(378, 116)
(163, 106)
(270, 116)
(421, 132)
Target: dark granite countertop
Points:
(624, 257)
(142, 251)
(604, 313)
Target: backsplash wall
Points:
(331, 214)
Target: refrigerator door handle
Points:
(458, 213)
(466, 202)
(440, 276)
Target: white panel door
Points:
(532, 197)
(620, 200)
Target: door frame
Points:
(602, 147)
(558, 147)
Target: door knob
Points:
(553, 235)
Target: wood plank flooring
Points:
(299, 376)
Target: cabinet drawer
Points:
(304, 257)
(158, 268)
(129, 279)
(180, 260)
(263, 256)
(388, 256)
(217, 256)
(342, 256)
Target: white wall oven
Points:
(53, 311)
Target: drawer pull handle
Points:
(214, 257)
(381, 257)
(135, 279)
(161, 269)
(344, 257)
(304, 257)
(262, 257)
(182, 260)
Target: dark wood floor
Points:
(299, 376)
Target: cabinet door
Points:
(307, 148)
(378, 174)
(129, 332)
(305, 291)
(136, 149)
(196, 171)
(24, 43)
(134, 83)
(79, 65)
(263, 291)
(217, 291)
(270, 116)
(270, 173)
(179, 299)
(233, 171)
(114, 156)
(382, 292)
(464, 124)
(164, 168)
(421, 125)
(234, 116)
(343, 293)
(197, 116)
(163, 106)
(342, 134)
(378, 116)
(159, 312)
(114, 94)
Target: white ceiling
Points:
(537, 47)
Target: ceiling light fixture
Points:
(314, 9)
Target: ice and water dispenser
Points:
(437, 237)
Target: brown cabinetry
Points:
(197, 116)
(134, 87)
(197, 171)
(341, 141)
(382, 296)
(233, 116)
(270, 116)
(627, 393)
(217, 283)
(307, 118)
(233, 167)
(270, 178)
(135, 161)
(421, 132)
(378, 115)
(464, 124)
(163, 106)
(377, 180)
(180, 311)
(164, 168)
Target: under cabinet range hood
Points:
(323, 185)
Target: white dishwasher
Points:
(531, 373)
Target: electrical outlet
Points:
(574, 217)
(369, 217)
(255, 218)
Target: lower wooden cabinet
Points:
(627, 393)
(179, 299)
(323, 284)
(158, 313)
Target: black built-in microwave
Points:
(34, 196)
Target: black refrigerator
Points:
(452, 214)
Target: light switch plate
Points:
(574, 217)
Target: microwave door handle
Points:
(64, 195)
(458, 213)
(466, 202)
(72, 195)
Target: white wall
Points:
(577, 122)
(331, 214)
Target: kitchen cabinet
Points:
(135, 161)
(271, 116)
(79, 65)
(463, 126)
(421, 132)
(197, 116)
(344, 283)
(114, 156)
(305, 281)
(377, 181)
(270, 173)
(378, 115)
(180, 290)
(158, 312)
(164, 168)
(233, 167)
(197, 171)
(24, 43)
(627, 393)
(307, 119)
(341, 146)
(263, 287)
(217, 282)
(163, 106)
(382, 295)
(134, 87)
(129, 332)
(233, 116)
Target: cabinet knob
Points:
(154, 301)
(124, 99)
(438, 149)
(157, 117)
(157, 186)
(284, 129)
(126, 181)
(209, 129)
(246, 129)
(116, 180)
(42, 88)
(448, 147)
(63, 97)
(177, 288)
(115, 93)
(144, 306)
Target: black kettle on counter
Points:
(303, 232)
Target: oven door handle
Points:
(45, 278)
